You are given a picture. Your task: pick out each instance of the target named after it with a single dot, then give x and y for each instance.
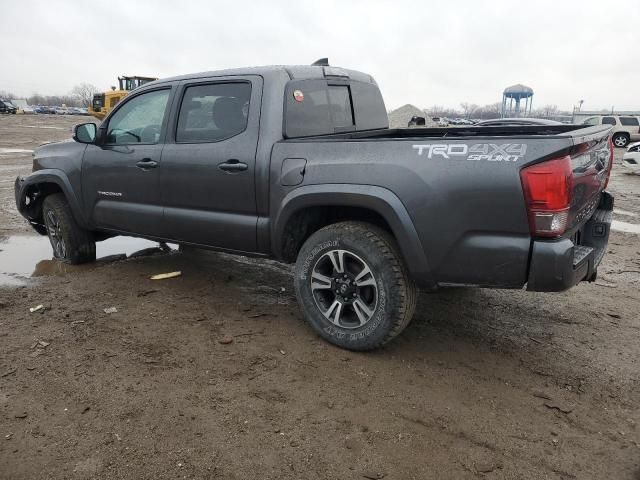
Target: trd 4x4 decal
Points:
(492, 152)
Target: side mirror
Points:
(85, 133)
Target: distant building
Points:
(19, 102)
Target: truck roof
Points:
(292, 71)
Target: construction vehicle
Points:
(103, 103)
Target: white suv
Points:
(626, 128)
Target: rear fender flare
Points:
(378, 199)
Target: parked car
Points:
(631, 158)
(626, 128)
(7, 107)
(28, 110)
(45, 109)
(440, 121)
(62, 111)
(298, 163)
(500, 122)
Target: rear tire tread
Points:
(402, 285)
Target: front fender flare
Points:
(40, 177)
(378, 199)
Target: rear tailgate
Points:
(591, 162)
(586, 223)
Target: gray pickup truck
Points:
(298, 163)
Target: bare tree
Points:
(488, 111)
(84, 92)
(468, 109)
(550, 110)
(68, 100)
(435, 110)
(6, 95)
(439, 111)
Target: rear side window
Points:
(317, 107)
(608, 121)
(629, 121)
(213, 112)
(312, 110)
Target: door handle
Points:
(146, 163)
(233, 166)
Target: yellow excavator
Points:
(103, 103)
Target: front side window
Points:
(629, 121)
(139, 120)
(608, 121)
(214, 112)
(591, 121)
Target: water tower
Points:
(511, 98)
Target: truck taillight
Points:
(547, 190)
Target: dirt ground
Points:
(483, 383)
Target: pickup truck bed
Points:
(298, 163)
(468, 212)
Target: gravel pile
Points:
(399, 118)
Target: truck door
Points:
(207, 175)
(120, 177)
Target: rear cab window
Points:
(341, 106)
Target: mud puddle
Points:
(625, 227)
(624, 213)
(23, 257)
(9, 151)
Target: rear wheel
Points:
(70, 243)
(353, 286)
(621, 140)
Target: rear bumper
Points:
(557, 265)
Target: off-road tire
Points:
(79, 245)
(396, 293)
(620, 140)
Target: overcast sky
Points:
(424, 52)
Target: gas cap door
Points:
(292, 172)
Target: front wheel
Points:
(70, 243)
(353, 286)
